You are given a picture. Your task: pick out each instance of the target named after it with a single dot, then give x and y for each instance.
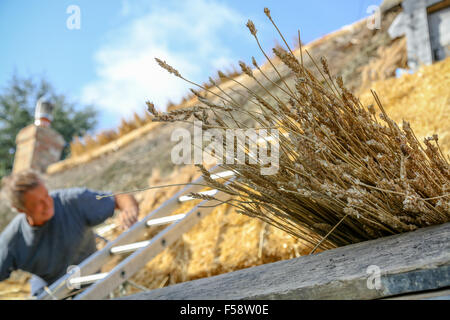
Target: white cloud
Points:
(192, 36)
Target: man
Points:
(53, 231)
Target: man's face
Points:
(38, 205)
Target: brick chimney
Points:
(38, 145)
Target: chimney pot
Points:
(43, 113)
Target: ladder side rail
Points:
(133, 263)
(95, 261)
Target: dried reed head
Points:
(151, 108)
(251, 27)
(345, 174)
(170, 69)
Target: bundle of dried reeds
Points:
(345, 174)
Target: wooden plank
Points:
(430, 295)
(133, 263)
(410, 262)
(438, 6)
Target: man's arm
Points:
(7, 264)
(129, 209)
(94, 211)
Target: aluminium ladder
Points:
(141, 252)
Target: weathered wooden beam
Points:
(408, 263)
(443, 294)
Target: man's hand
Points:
(128, 217)
(129, 210)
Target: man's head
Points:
(27, 193)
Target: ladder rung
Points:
(137, 245)
(223, 174)
(87, 279)
(267, 139)
(164, 220)
(206, 193)
(105, 229)
(129, 247)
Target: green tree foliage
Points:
(17, 104)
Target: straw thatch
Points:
(345, 173)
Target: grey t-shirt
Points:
(66, 239)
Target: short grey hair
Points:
(15, 185)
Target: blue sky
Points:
(109, 60)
